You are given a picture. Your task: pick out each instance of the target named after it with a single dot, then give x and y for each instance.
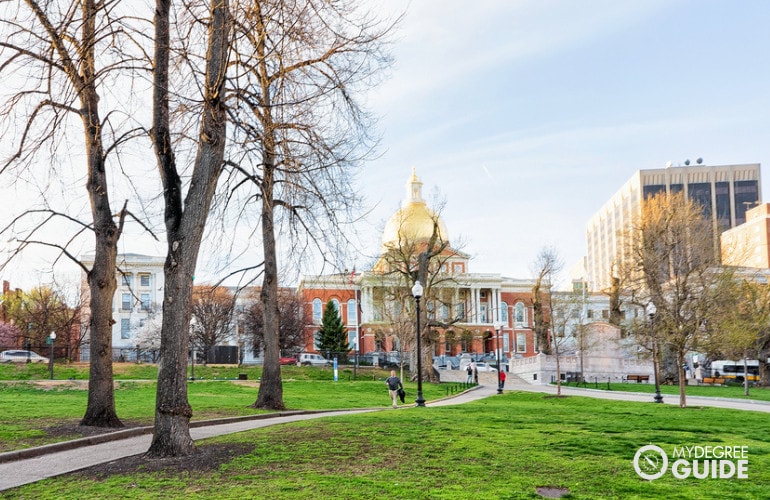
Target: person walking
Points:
(502, 379)
(394, 384)
(475, 374)
(469, 370)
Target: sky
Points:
(526, 116)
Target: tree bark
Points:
(184, 226)
(270, 394)
(100, 410)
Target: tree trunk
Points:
(682, 378)
(184, 227)
(270, 394)
(100, 410)
(172, 410)
(745, 374)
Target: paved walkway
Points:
(27, 466)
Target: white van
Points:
(307, 359)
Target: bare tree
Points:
(671, 264)
(212, 314)
(567, 329)
(62, 57)
(292, 328)
(546, 267)
(185, 213)
(420, 251)
(300, 130)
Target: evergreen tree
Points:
(332, 336)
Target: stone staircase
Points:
(485, 378)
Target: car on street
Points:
(21, 356)
(287, 360)
(310, 359)
(485, 367)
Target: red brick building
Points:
(468, 312)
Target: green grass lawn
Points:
(500, 447)
(32, 412)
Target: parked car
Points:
(308, 359)
(485, 367)
(288, 360)
(21, 356)
(480, 366)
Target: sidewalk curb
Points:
(25, 453)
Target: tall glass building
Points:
(726, 192)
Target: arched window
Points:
(504, 312)
(521, 314)
(317, 311)
(336, 305)
(352, 313)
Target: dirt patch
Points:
(205, 458)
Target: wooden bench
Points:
(713, 381)
(638, 378)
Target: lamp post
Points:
(51, 338)
(651, 310)
(417, 294)
(498, 330)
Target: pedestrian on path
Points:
(502, 379)
(394, 384)
(469, 370)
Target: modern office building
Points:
(726, 192)
(748, 244)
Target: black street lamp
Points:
(51, 338)
(417, 294)
(498, 330)
(651, 310)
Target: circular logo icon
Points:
(650, 462)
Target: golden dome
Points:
(414, 221)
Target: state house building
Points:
(469, 312)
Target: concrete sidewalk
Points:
(672, 399)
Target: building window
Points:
(336, 305)
(317, 311)
(521, 342)
(521, 314)
(352, 316)
(317, 340)
(506, 343)
(444, 312)
(483, 311)
(458, 268)
(125, 303)
(144, 280)
(127, 279)
(504, 312)
(460, 310)
(125, 328)
(145, 298)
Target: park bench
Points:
(638, 378)
(713, 381)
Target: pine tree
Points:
(332, 336)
